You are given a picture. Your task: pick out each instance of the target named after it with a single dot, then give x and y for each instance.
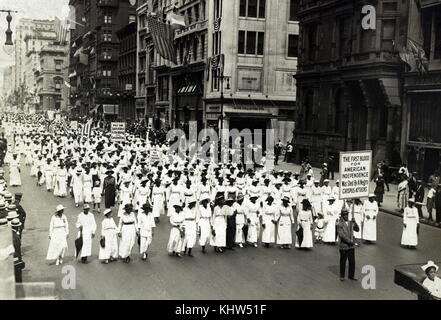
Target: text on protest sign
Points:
(118, 131)
(355, 172)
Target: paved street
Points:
(249, 273)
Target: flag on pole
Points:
(87, 129)
(61, 31)
(163, 37)
(176, 20)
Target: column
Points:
(370, 113)
(390, 136)
(349, 141)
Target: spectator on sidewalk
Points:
(379, 189)
(419, 197)
(412, 184)
(403, 170)
(431, 201)
(438, 204)
(386, 173)
(277, 152)
(331, 163)
(403, 193)
(324, 174)
(288, 152)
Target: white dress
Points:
(158, 201)
(411, 220)
(176, 238)
(190, 227)
(240, 222)
(252, 214)
(370, 209)
(58, 231)
(146, 223)
(305, 220)
(127, 227)
(87, 221)
(284, 225)
(358, 215)
(434, 286)
(204, 224)
(331, 216)
(14, 173)
(60, 189)
(110, 233)
(219, 222)
(268, 216)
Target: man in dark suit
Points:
(419, 197)
(345, 230)
(20, 211)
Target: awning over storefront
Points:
(253, 115)
(111, 109)
(429, 3)
(189, 89)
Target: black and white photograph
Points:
(220, 150)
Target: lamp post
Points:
(222, 78)
(9, 31)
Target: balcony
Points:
(195, 27)
(108, 57)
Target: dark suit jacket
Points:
(346, 234)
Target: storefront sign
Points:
(118, 132)
(355, 172)
(254, 108)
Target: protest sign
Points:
(118, 132)
(355, 172)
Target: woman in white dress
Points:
(58, 233)
(285, 221)
(411, 221)
(370, 212)
(219, 221)
(358, 216)
(252, 216)
(48, 173)
(158, 200)
(109, 232)
(240, 211)
(87, 186)
(204, 222)
(60, 189)
(176, 238)
(331, 213)
(146, 223)
(176, 196)
(128, 229)
(269, 211)
(305, 221)
(14, 171)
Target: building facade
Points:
(127, 72)
(51, 77)
(8, 83)
(349, 79)
(421, 136)
(93, 70)
(235, 61)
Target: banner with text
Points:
(118, 132)
(355, 172)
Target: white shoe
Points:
(57, 262)
(240, 245)
(61, 261)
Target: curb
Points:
(397, 214)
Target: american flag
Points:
(217, 24)
(163, 37)
(61, 31)
(87, 129)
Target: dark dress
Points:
(379, 190)
(109, 192)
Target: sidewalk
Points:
(389, 204)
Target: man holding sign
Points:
(355, 172)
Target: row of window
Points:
(252, 42)
(257, 9)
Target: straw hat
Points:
(60, 207)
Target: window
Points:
(293, 45)
(437, 31)
(251, 42)
(107, 18)
(344, 27)
(107, 37)
(163, 88)
(196, 13)
(388, 38)
(260, 43)
(202, 45)
(195, 49)
(252, 8)
(132, 18)
(293, 10)
(241, 49)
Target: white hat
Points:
(86, 206)
(331, 198)
(107, 211)
(60, 207)
(191, 200)
(326, 180)
(411, 200)
(428, 265)
(372, 195)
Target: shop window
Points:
(163, 88)
(293, 45)
(293, 9)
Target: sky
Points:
(33, 9)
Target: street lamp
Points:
(222, 78)
(9, 31)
